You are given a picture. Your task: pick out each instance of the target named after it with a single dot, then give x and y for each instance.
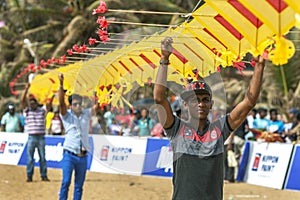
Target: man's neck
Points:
(199, 125)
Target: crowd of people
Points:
(142, 122)
(285, 128)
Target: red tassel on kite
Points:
(63, 59)
(102, 22)
(92, 41)
(101, 8)
(240, 66)
(70, 52)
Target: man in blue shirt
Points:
(261, 123)
(76, 145)
(275, 125)
(10, 121)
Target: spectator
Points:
(275, 125)
(10, 121)
(114, 128)
(95, 127)
(261, 123)
(229, 167)
(290, 128)
(198, 144)
(76, 145)
(56, 125)
(250, 118)
(134, 128)
(145, 123)
(125, 129)
(157, 131)
(108, 116)
(238, 144)
(292, 114)
(35, 128)
(48, 120)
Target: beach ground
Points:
(99, 186)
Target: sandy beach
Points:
(99, 186)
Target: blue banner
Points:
(54, 152)
(244, 162)
(293, 177)
(158, 158)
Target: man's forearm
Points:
(61, 95)
(255, 84)
(23, 97)
(161, 81)
(61, 99)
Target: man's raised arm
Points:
(23, 97)
(164, 110)
(240, 112)
(61, 95)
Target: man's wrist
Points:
(164, 62)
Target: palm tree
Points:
(53, 26)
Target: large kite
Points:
(219, 35)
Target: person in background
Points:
(157, 131)
(239, 139)
(275, 125)
(145, 123)
(134, 128)
(49, 115)
(95, 126)
(108, 116)
(250, 118)
(76, 121)
(290, 129)
(228, 168)
(115, 128)
(35, 128)
(292, 114)
(11, 122)
(56, 126)
(198, 144)
(261, 123)
(125, 129)
(295, 130)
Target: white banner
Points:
(11, 147)
(118, 154)
(268, 163)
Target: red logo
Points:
(104, 153)
(2, 147)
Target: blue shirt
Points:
(276, 126)
(145, 126)
(11, 122)
(261, 124)
(77, 130)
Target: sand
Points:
(101, 186)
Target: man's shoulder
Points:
(5, 115)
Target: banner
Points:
(118, 154)
(268, 164)
(159, 158)
(293, 177)
(11, 147)
(53, 152)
